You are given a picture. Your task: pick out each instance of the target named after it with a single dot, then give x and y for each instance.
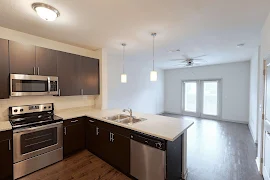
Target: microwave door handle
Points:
(49, 84)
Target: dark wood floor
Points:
(216, 151)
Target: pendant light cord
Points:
(154, 52)
(123, 58)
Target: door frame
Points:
(199, 99)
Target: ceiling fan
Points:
(188, 62)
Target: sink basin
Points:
(125, 119)
(132, 120)
(117, 117)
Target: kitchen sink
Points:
(132, 120)
(124, 119)
(117, 117)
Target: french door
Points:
(202, 98)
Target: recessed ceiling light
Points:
(175, 50)
(240, 45)
(45, 11)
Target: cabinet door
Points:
(22, 58)
(6, 170)
(4, 69)
(74, 138)
(67, 71)
(46, 62)
(92, 141)
(120, 152)
(89, 76)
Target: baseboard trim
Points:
(229, 120)
(172, 113)
(252, 134)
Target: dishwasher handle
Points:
(158, 144)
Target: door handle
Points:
(74, 121)
(65, 130)
(9, 145)
(91, 121)
(111, 137)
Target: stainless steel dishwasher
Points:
(147, 157)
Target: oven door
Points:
(27, 85)
(30, 142)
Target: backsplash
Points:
(60, 103)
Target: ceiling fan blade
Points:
(198, 56)
(198, 59)
(185, 56)
(177, 59)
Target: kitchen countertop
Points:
(163, 127)
(5, 125)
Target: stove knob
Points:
(45, 107)
(49, 107)
(159, 145)
(21, 110)
(15, 110)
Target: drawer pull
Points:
(74, 121)
(97, 131)
(9, 145)
(91, 121)
(65, 130)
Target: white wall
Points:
(254, 89)
(138, 93)
(235, 88)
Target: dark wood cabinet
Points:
(4, 69)
(22, 58)
(74, 136)
(68, 74)
(6, 155)
(46, 62)
(89, 76)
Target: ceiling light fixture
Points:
(123, 75)
(153, 73)
(45, 11)
(240, 45)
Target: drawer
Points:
(69, 122)
(5, 135)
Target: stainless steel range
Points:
(37, 138)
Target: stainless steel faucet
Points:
(130, 112)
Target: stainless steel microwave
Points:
(33, 85)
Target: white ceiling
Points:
(196, 27)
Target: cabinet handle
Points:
(59, 92)
(74, 121)
(37, 70)
(65, 130)
(97, 130)
(111, 137)
(9, 145)
(81, 91)
(91, 121)
(34, 70)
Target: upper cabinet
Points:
(46, 62)
(22, 58)
(89, 76)
(4, 69)
(68, 74)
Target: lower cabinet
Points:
(108, 145)
(6, 155)
(74, 136)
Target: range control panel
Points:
(30, 108)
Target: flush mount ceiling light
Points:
(45, 11)
(240, 45)
(123, 75)
(153, 73)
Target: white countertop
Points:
(5, 125)
(164, 127)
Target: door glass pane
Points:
(210, 98)
(190, 96)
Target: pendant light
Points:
(153, 73)
(123, 75)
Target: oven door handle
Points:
(25, 129)
(49, 84)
